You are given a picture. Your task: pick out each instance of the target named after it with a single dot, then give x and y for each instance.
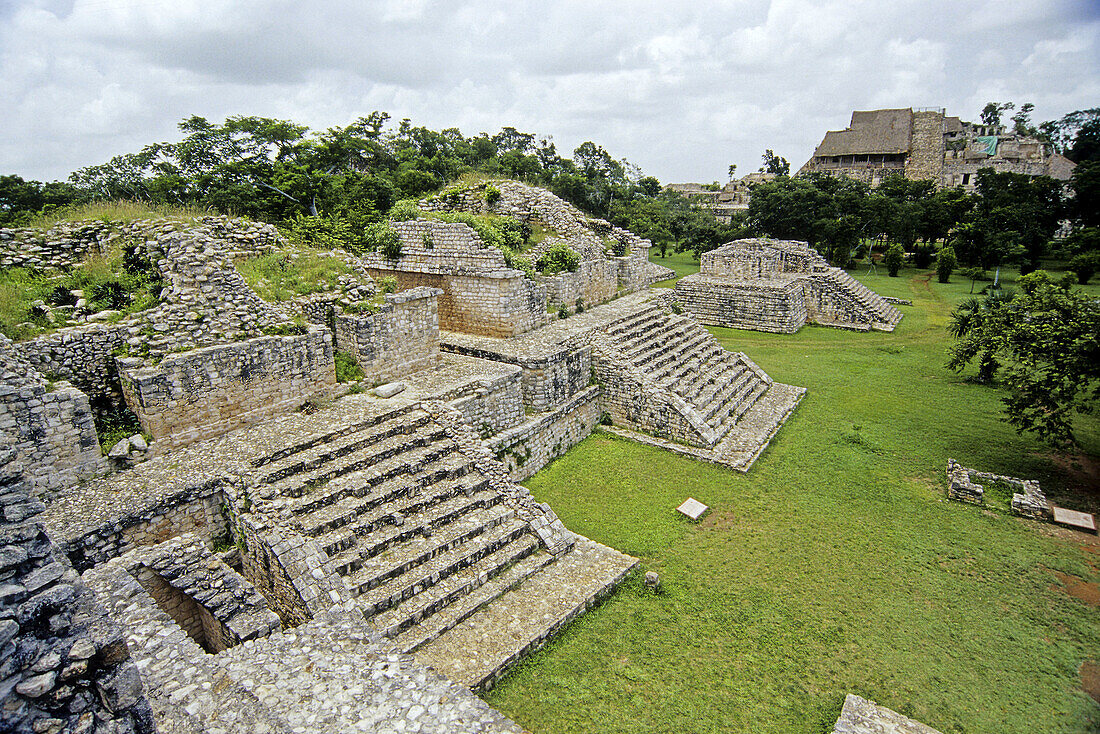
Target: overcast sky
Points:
(682, 89)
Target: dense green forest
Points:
(346, 178)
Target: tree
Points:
(894, 259)
(1044, 342)
(1021, 121)
(732, 170)
(991, 113)
(1076, 135)
(945, 264)
(774, 164)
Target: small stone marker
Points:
(692, 508)
(653, 580)
(389, 390)
(1074, 519)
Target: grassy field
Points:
(684, 263)
(835, 565)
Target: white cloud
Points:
(682, 89)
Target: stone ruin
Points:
(1029, 501)
(778, 286)
(290, 557)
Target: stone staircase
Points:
(674, 356)
(860, 300)
(426, 541)
(420, 538)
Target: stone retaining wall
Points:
(51, 431)
(594, 282)
(64, 664)
(196, 509)
(548, 380)
(402, 337)
(207, 392)
(495, 405)
(82, 355)
(777, 306)
(528, 447)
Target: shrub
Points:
(347, 369)
(945, 264)
(109, 295)
(677, 308)
(429, 243)
(381, 237)
(492, 195)
(580, 305)
(563, 312)
(922, 256)
(387, 284)
(61, 296)
(893, 259)
(1085, 265)
(558, 258)
(404, 210)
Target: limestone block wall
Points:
(496, 405)
(195, 509)
(594, 281)
(631, 401)
(547, 380)
(209, 600)
(401, 338)
(528, 447)
(82, 355)
(778, 306)
(760, 258)
(210, 391)
(828, 303)
(926, 146)
(64, 663)
(51, 431)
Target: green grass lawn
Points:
(835, 565)
(684, 263)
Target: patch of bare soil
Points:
(723, 520)
(1078, 588)
(1090, 679)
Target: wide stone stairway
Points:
(881, 314)
(425, 542)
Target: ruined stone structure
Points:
(1029, 501)
(726, 202)
(64, 665)
(377, 560)
(860, 716)
(927, 144)
(777, 286)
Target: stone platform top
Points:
(556, 335)
(860, 716)
(165, 479)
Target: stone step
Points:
(410, 576)
(340, 442)
(672, 352)
(480, 648)
(378, 547)
(725, 397)
(458, 611)
(457, 588)
(646, 315)
(328, 436)
(404, 493)
(391, 451)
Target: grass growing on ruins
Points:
(835, 565)
(119, 211)
(105, 280)
(281, 276)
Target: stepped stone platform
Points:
(390, 511)
(860, 716)
(665, 379)
(778, 286)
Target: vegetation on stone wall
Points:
(34, 302)
(282, 275)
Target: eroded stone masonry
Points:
(778, 286)
(287, 556)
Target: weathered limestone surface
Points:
(213, 604)
(402, 337)
(777, 286)
(860, 716)
(480, 293)
(50, 430)
(64, 665)
(206, 392)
